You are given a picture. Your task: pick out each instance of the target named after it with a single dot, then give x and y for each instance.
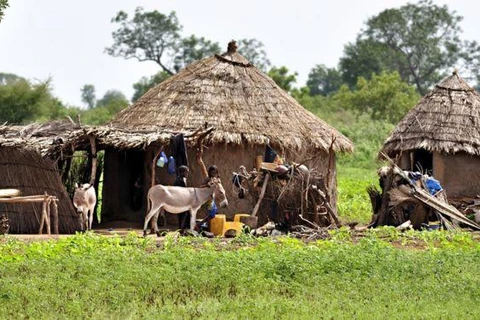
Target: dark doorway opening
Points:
(423, 161)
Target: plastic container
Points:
(237, 226)
(238, 216)
(217, 224)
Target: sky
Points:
(65, 40)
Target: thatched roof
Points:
(241, 102)
(54, 137)
(28, 172)
(446, 120)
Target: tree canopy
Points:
(3, 6)
(420, 41)
(144, 84)
(154, 36)
(323, 80)
(22, 101)
(88, 95)
(383, 97)
(282, 77)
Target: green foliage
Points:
(323, 80)
(3, 6)
(148, 36)
(194, 48)
(282, 77)
(22, 101)
(420, 41)
(384, 96)
(254, 51)
(88, 95)
(260, 279)
(353, 202)
(144, 84)
(112, 102)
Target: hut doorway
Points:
(422, 160)
(124, 186)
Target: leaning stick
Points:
(262, 194)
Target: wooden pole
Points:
(262, 194)
(154, 164)
(49, 230)
(55, 217)
(93, 155)
(44, 217)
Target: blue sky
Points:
(65, 40)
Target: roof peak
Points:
(455, 82)
(232, 47)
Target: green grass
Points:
(88, 276)
(353, 201)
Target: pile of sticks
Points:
(301, 193)
(404, 203)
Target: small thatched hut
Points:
(23, 167)
(442, 134)
(248, 111)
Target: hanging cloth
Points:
(179, 150)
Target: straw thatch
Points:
(242, 103)
(446, 120)
(28, 172)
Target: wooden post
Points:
(55, 216)
(262, 194)
(44, 216)
(154, 165)
(47, 200)
(93, 154)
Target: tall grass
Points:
(96, 277)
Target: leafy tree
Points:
(323, 80)
(193, 48)
(282, 78)
(144, 84)
(112, 102)
(22, 101)
(384, 96)
(420, 41)
(88, 95)
(3, 6)
(254, 51)
(112, 97)
(148, 36)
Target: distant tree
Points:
(88, 95)
(112, 102)
(323, 80)
(193, 48)
(383, 97)
(3, 6)
(112, 97)
(254, 51)
(282, 77)
(144, 84)
(148, 36)
(420, 41)
(22, 101)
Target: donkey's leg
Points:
(90, 218)
(193, 218)
(85, 219)
(161, 213)
(149, 216)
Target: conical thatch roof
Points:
(240, 101)
(446, 120)
(27, 171)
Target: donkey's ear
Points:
(77, 185)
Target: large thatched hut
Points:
(247, 110)
(24, 165)
(442, 134)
